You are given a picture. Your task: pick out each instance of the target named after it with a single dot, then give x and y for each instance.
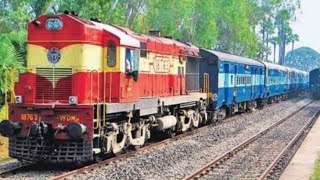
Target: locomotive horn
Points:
(75, 130)
(8, 128)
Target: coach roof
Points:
(233, 58)
(275, 66)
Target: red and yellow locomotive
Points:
(92, 89)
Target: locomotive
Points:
(93, 89)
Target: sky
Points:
(307, 25)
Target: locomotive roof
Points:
(164, 44)
(274, 66)
(233, 58)
(125, 39)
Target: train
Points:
(94, 89)
(315, 83)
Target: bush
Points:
(3, 140)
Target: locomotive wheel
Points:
(137, 147)
(99, 157)
(170, 133)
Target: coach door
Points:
(226, 82)
(253, 77)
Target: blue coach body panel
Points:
(305, 80)
(293, 79)
(233, 79)
(298, 80)
(276, 79)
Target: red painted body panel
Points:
(74, 31)
(57, 116)
(119, 87)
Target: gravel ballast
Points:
(182, 157)
(255, 159)
(179, 158)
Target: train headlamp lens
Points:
(73, 100)
(54, 24)
(18, 99)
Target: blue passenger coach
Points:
(235, 83)
(297, 81)
(277, 81)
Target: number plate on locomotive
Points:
(68, 118)
(30, 117)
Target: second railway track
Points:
(256, 157)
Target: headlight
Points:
(73, 100)
(18, 99)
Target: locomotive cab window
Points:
(143, 50)
(111, 54)
(132, 60)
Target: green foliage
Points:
(3, 112)
(242, 27)
(235, 33)
(273, 18)
(3, 141)
(10, 58)
(316, 171)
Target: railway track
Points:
(239, 159)
(91, 167)
(13, 170)
(65, 174)
(126, 155)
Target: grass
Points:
(3, 140)
(316, 172)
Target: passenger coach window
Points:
(112, 54)
(231, 79)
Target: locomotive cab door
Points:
(110, 64)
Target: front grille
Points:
(58, 151)
(53, 83)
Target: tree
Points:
(10, 60)
(303, 58)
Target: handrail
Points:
(12, 84)
(98, 123)
(206, 85)
(5, 86)
(91, 84)
(110, 86)
(98, 100)
(104, 97)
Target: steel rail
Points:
(128, 154)
(294, 140)
(219, 160)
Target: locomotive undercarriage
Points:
(128, 130)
